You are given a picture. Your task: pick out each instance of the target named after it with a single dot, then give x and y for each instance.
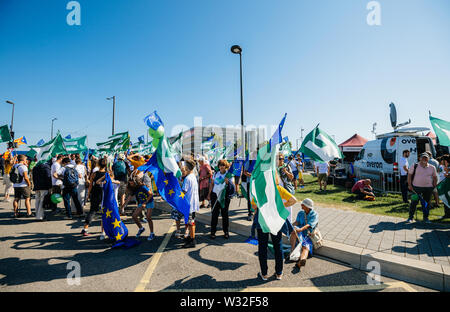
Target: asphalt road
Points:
(34, 256)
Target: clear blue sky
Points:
(318, 61)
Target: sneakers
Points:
(263, 277)
(84, 232)
(279, 277)
(102, 237)
(151, 237)
(426, 221)
(141, 230)
(410, 220)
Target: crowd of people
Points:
(69, 179)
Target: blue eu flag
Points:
(153, 121)
(41, 142)
(168, 186)
(114, 228)
(276, 137)
(141, 139)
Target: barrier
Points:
(381, 182)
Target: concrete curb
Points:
(422, 273)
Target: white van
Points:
(384, 153)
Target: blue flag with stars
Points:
(276, 137)
(168, 186)
(153, 121)
(114, 228)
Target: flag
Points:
(68, 137)
(286, 149)
(40, 143)
(75, 145)
(443, 189)
(272, 214)
(177, 145)
(207, 144)
(167, 184)
(5, 135)
(48, 150)
(319, 146)
(114, 228)
(153, 121)
(122, 136)
(221, 189)
(21, 141)
(141, 139)
(442, 130)
(263, 190)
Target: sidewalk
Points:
(415, 252)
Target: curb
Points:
(422, 273)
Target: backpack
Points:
(70, 177)
(14, 175)
(120, 170)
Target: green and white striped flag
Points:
(221, 187)
(443, 189)
(264, 191)
(5, 135)
(48, 150)
(75, 145)
(319, 146)
(442, 130)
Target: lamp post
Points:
(238, 50)
(12, 119)
(52, 126)
(114, 111)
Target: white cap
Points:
(308, 203)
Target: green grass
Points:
(341, 198)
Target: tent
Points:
(351, 147)
(432, 136)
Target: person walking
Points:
(42, 181)
(144, 197)
(323, 171)
(22, 185)
(120, 173)
(404, 167)
(2, 165)
(422, 179)
(70, 178)
(95, 193)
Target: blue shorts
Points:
(149, 205)
(295, 173)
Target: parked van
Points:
(383, 155)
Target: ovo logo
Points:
(74, 16)
(374, 16)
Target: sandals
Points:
(300, 263)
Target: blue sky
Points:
(318, 61)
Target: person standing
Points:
(22, 185)
(42, 181)
(82, 172)
(422, 179)
(120, 173)
(9, 162)
(285, 174)
(404, 167)
(435, 164)
(445, 174)
(56, 183)
(323, 171)
(190, 190)
(144, 197)
(2, 165)
(294, 169)
(69, 177)
(247, 170)
(205, 174)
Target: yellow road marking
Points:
(155, 259)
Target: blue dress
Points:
(312, 218)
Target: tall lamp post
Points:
(52, 126)
(238, 50)
(114, 111)
(12, 119)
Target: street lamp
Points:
(238, 50)
(52, 125)
(114, 110)
(12, 118)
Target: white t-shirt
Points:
(61, 171)
(403, 162)
(190, 188)
(55, 167)
(81, 169)
(21, 170)
(218, 179)
(293, 165)
(323, 167)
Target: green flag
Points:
(48, 150)
(443, 189)
(5, 135)
(271, 211)
(442, 130)
(75, 145)
(319, 146)
(286, 149)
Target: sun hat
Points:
(424, 155)
(308, 203)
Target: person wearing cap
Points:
(422, 179)
(435, 164)
(306, 221)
